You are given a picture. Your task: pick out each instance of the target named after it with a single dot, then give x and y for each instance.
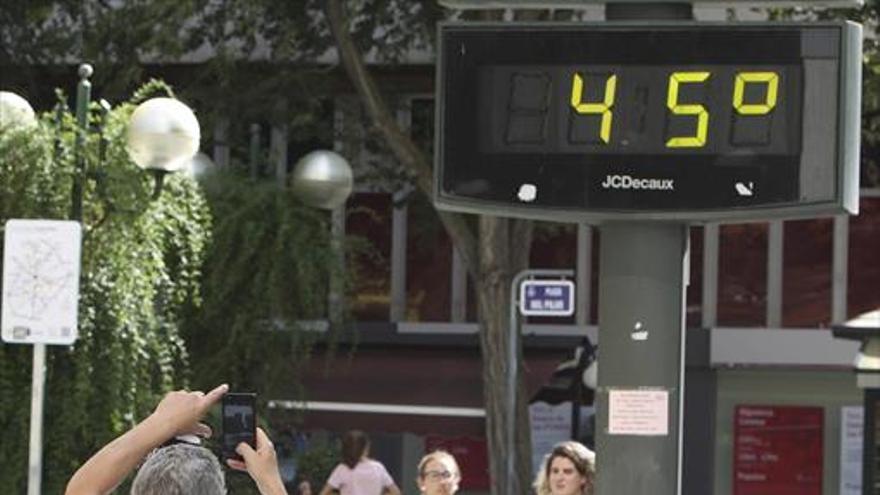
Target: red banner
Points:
(777, 450)
(470, 454)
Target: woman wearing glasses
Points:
(569, 469)
(438, 474)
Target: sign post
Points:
(553, 297)
(41, 267)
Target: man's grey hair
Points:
(180, 469)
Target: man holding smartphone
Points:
(179, 469)
(239, 413)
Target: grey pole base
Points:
(642, 270)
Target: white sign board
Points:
(852, 425)
(638, 412)
(41, 265)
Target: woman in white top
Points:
(357, 474)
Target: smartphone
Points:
(239, 423)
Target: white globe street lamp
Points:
(322, 179)
(15, 111)
(163, 134)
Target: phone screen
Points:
(239, 422)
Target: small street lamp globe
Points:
(200, 165)
(163, 135)
(15, 111)
(322, 179)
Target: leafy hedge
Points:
(141, 268)
(268, 269)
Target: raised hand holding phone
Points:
(239, 423)
(261, 463)
(181, 411)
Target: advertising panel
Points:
(777, 450)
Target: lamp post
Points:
(163, 136)
(323, 179)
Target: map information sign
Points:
(41, 267)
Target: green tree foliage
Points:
(241, 55)
(36, 37)
(141, 267)
(268, 269)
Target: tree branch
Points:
(404, 149)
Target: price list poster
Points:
(777, 450)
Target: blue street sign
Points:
(546, 298)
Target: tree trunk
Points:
(501, 251)
(501, 257)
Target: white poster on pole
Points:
(638, 412)
(41, 266)
(852, 426)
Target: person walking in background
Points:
(438, 474)
(569, 469)
(357, 474)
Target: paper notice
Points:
(638, 412)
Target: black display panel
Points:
(652, 110)
(688, 120)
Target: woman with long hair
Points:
(357, 474)
(569, 469)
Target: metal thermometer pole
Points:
(642, 283)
